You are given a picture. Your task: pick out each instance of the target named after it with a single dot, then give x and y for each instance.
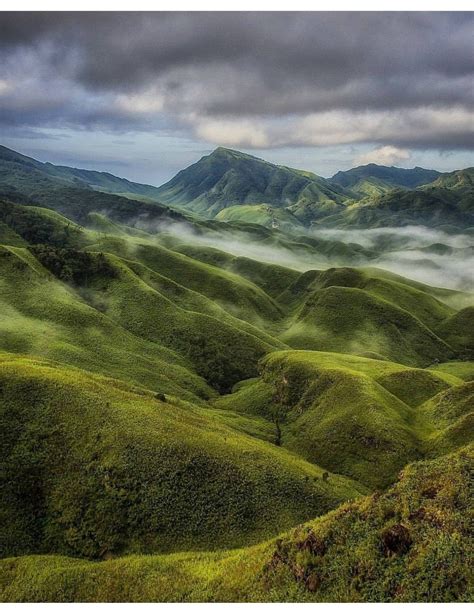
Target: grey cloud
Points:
(257, 67)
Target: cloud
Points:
(427, 255)
(246, 79)
(238, 132)
(423, 127)
(386, 155)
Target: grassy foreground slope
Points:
(95, 467)
(410, 544)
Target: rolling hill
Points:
(408, 544)
(230, 407)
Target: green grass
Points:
(241, 297)
(44, 317)
(458, 330)
(271, 278)
(463, 370)
(344, 319)
(410, 544)
(93, 466)
(259, 214)
(346, 412)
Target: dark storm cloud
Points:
(245, 72)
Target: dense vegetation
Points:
(410, 544)
(233, 408)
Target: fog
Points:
(427, 255)
(430, 256)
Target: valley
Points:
(248, 384)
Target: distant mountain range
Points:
(237, 187)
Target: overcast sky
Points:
(144, 94)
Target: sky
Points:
(142, 95)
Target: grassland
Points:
(410, 544)
(94, 466)
(184, 423)
(379, 409)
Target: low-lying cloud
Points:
(426, 255)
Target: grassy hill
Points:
(45, 317)
(95, 466)
(357, 311)
(408, 544)
(259, 214)
(346, 412)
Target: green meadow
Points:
(203, 400)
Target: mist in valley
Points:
(427, 255)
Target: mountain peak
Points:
(229, 153)
(229, 177)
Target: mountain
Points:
(76, 193)
(227, 178)
(14, 165)
(431, 206)
(235, 187)
(386, 176)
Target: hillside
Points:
(435, 207)
(227, 177)
(312, 394)
(14, 164)
(408, 544)
(387, 176)
(121, 469)
(260, 214)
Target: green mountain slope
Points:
(260, 214)
(390, 176)
(410, 544)
(93, 466)
(462, 179)
(15, 165)
(436, 207)
(227, 177)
